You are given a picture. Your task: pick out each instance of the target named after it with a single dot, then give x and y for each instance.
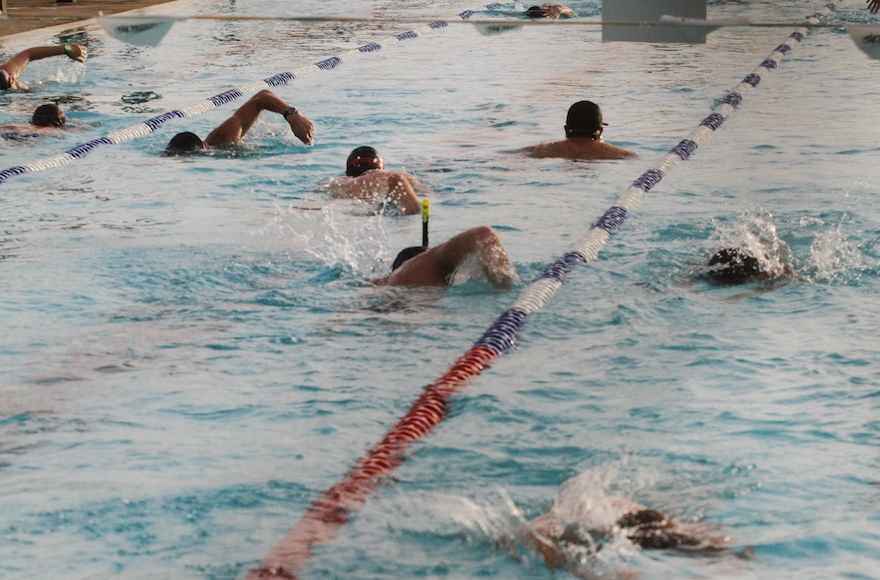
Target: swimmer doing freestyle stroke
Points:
(230, 131)
(582, 518)
(549, 10)
(47, 119)
(14, 67)
(437, 266)
(366, 178)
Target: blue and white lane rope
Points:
(284, 78)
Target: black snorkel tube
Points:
(413, 251)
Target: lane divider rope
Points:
(284, 78)
(331, 510)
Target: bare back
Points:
(578, 148)
(378, 184)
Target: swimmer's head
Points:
(48, 115)
(644, 518)
(407, 254)
(584, 120)
(5, 80)
(361, 160)
(734, 266)
(654, 530)
(535, 12)
(184, 143)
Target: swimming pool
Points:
(189, 359)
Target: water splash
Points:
(756, 233)
(833, 258)
(499, 521)
(358, 244)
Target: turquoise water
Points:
(189, 357)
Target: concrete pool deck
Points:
(25, 17)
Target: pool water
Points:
(192, 351)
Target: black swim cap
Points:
(584, 120)
(535, 12)
(184, 143)
(363, 159)
(407, 254)
(48, 115)
(733, 266)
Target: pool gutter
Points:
(36, 11)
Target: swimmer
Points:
(559, 539)
(437, 266)
(366, 178)
(581, 519)
(234, 128)
(734, 266)
(731, 266)
(583, 137)
(873, 5)
(12, 68)
(47, 119)
(548, 10)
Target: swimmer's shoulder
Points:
(544, 150)
(616, 152)
(598, 150)
(19, 133)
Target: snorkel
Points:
(413, 251)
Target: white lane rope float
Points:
(284, 78)
(329, 512)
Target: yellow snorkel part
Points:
(426, 211)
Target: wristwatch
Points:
(289, 111)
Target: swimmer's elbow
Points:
(409, 206)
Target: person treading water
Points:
(583, 137)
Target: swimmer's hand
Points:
(305, 129)
(79, 52)
(873, 5)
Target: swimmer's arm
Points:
(537, 536)
(301, 127)
(497, 266)
(483, 242)
(557, 10)
(401, 192)
(15, 65)
(873, 5)
(236, 126)
(531, 150)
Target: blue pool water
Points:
(189, 356)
